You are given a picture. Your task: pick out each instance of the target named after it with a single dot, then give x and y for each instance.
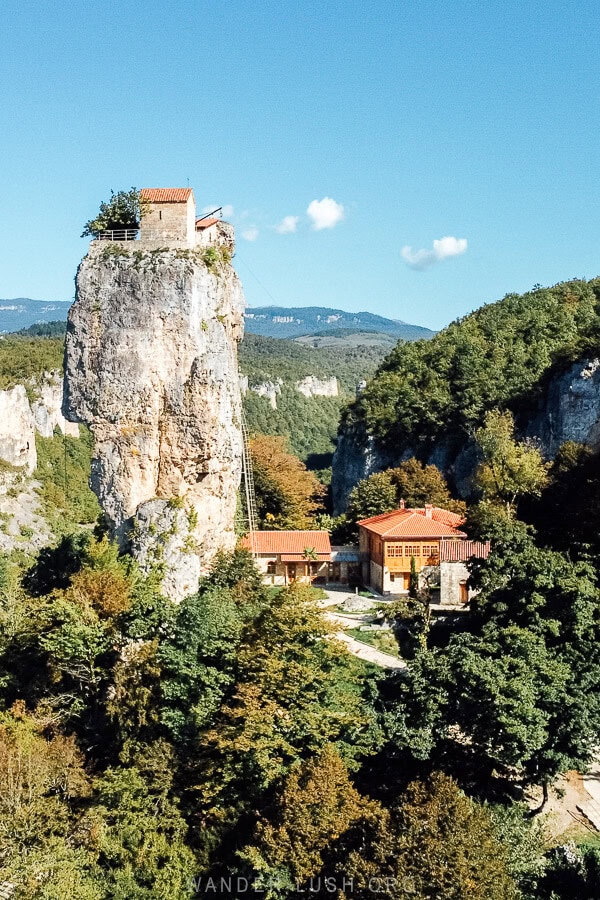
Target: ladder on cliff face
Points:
(247, 470)
(249, 492)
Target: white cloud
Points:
(250, 234)
(288, 225)
(227, 211)
(325, 213)
(442, 249)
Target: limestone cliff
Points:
(270, 390)
(568, 409)
(17, 429)
(21, 418)
(47, 407)
(151, 368)
(311, 386)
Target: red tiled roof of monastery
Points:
(201, 224)
(461, 551)
(415, 523)
(291, 543)
(166, 195)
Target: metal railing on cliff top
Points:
(119, 234)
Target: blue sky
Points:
(419, 121)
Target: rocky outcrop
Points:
(47, 408)
(567, 410)
(21, 418)
(270, 390)
(356, 457)
(17, 430)
(22, 519)
(311, 386)
(151, 368)
(176, 551)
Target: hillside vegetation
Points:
(310, 423)
(264, 358)
(23, 357)
(157, 750)
(496, 356)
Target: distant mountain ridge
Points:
(22, 312)
(283, 322)
(267, 321)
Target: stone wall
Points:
(451, 576)
(169, 221)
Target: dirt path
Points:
(354, 620)
(370, 654)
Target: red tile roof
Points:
(300, 558)
(166, 195)
(415, 523)
(201, 224)
(461, 551)
(294, 543)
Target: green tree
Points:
(572, 872)
(139, 835)
(124, 210)
(510, 468)
(371, 497)
(413, 585)
(296, 690)
(435, 843)
(197, 661)
(288, 495)
(315, 808)
(522, 687)
(567, 514)
(41, 780)
(418, 484)
(436, 392)
(411, 482)
(56, 565)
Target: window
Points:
(463, 592)
(394, 549)
(412, 550)
(430, 550)
(271, 568)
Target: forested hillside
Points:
(310, 423)
(497, 355)
(155, 750)
(25, 356)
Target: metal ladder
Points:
(250, 494)
(247, 470)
